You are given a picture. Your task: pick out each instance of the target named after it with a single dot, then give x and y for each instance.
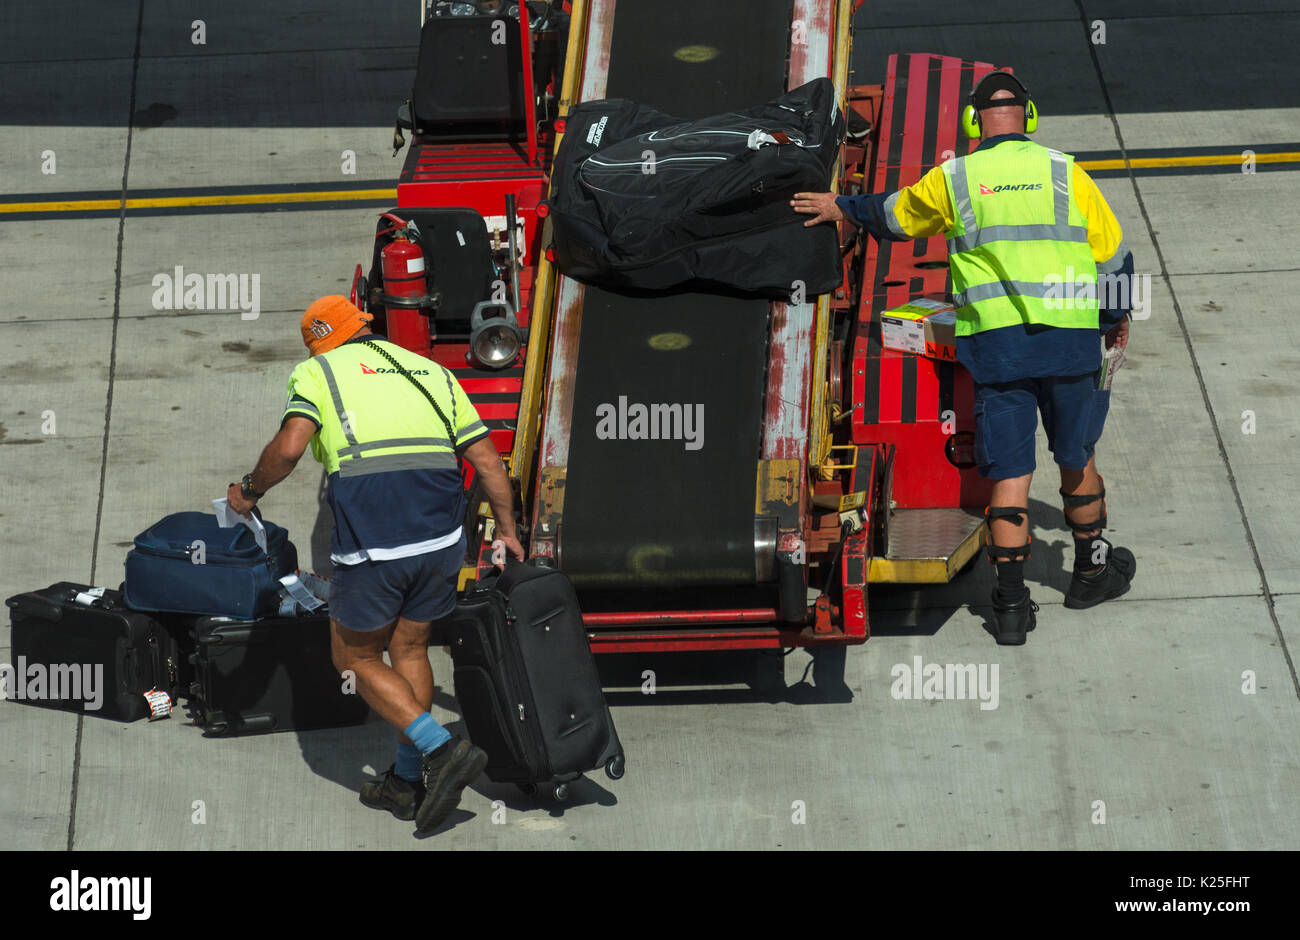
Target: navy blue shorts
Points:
(1100, 408)
(1006, 420)
(373, 594)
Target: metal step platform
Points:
(928, 546)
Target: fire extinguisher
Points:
(406, 297)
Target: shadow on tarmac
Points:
(662, 678)
(690, 678)
(903, 610)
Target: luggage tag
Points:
(90, 597)
(160, 704)
(298, 594)
(761, 138)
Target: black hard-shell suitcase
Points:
(273, 674)
(527, 684)
(56, 637)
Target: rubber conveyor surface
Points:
(653, 513)
(675, 511)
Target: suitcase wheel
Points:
(614, 767)
(561, 792)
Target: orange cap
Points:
(330, 322)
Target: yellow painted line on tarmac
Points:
(356, 195)
(1216, 159)
(169, 202)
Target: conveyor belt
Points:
(693, 58)
(666, 512)
(651, 512)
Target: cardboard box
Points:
(922, 326)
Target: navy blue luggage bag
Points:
(187, 564)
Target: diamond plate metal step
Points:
(928, 546)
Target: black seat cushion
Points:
(465, 83)
(457, 256)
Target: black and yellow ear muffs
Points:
(970, 118)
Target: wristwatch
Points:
(246, 488)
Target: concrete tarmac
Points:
(1169, 719)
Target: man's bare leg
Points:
(1008, 514)
(1101, 570)
(408, 649)
(1083, 483)
(385, 690)
(1013, 492)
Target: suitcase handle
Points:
(515, 572)
(33, 605)
(235, 637)
(239, 636)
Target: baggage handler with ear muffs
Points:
(390, 427)
(1028, 234)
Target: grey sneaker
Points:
(447, 771)
(391, 792)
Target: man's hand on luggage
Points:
(237, 502)
(511, 545)
(820, 205)
(1117, 335)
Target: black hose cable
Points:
(845, 528)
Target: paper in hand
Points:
(1111, 361)
(227, 518)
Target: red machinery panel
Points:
(479, 176)
(911, 401)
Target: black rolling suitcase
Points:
(527, 684)
(80, 648)
(273, 674)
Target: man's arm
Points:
(483, 457)
(917, 211)
(278, 459)
(1114, 260)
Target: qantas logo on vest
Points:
(366, 370)
(1008, 188)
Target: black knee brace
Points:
(1013, 514)
(1075, 502)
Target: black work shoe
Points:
(1110, 580)
(1012, 621)
(393, 793)
(447, 771)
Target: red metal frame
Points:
(530, 94)
(696, 639)
(689, 617)
(923, 475)
(479, 176)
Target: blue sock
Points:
(427, 734)
(407, 765)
